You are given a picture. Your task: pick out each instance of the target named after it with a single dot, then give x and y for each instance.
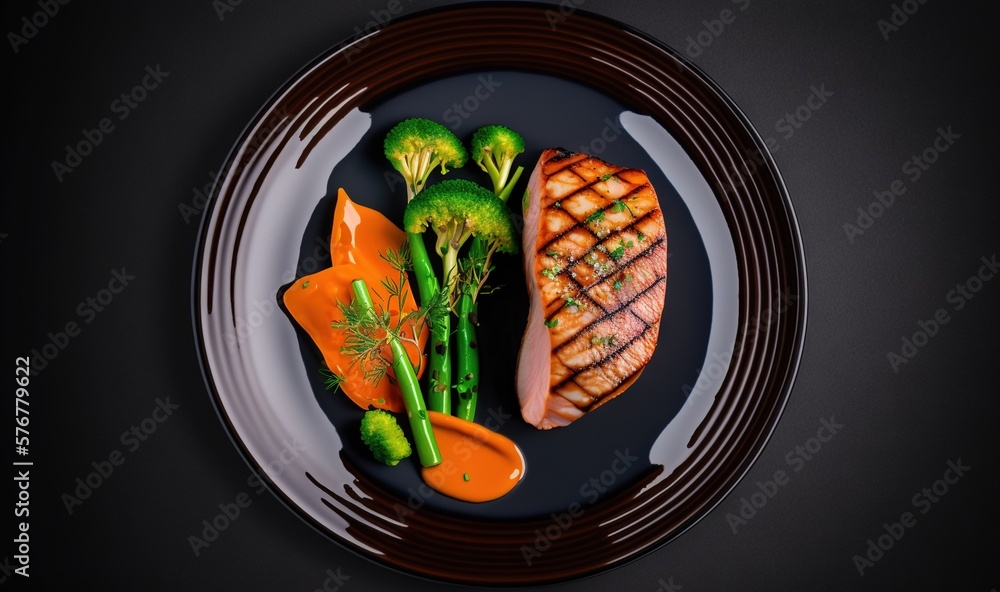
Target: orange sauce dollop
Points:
(477, 464)
(359, 235)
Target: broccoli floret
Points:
(457, 209)
(384, 437)
(494, 148)
(416, 146)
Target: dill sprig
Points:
(331, 380)
(473, 273)
(368, 332)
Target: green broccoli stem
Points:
(468, 356)
(504, 193)
(409, 387)
(466, 344)
(450, 271)
(439, 359)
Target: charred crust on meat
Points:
(562, 154)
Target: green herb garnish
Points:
(595, 217)
(618, 206)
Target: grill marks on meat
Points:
(595, 256)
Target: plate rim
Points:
(790, 372)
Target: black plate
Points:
(613, 484)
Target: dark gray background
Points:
(60, 241)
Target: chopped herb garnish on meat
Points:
(619, 251)
(605, 340)
(551, 272)
(619, 206)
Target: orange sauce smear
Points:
(359, 234)
(478, 464)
